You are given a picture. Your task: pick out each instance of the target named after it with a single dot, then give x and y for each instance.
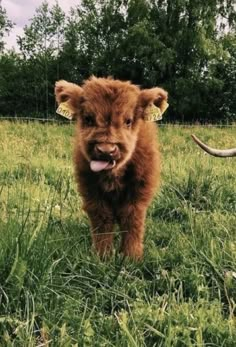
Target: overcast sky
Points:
(20, 11)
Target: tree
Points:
(186, 46)
(5, 26)
(40, 46)
(190, 31)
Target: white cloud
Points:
(21, 11)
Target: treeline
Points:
(186, 46)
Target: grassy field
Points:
(55, 292)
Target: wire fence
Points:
(161, 124)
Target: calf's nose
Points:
(106, 148)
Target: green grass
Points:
(55, 292)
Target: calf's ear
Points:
(156, 96)
(70, 93)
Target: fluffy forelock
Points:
(110, 90)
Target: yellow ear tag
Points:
(164, 106)
(154, 113)
(64, 110)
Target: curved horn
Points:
(215, 152)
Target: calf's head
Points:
(109, 113)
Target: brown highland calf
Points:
(116, 157)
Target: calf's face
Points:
(110, 114)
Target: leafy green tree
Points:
(92, 37)
(186, 46)
(190, 31)
(40, 46)
(15, 82)
(224, 72)
(5, 26)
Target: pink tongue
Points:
(96, 165)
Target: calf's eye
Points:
(89, 120)
(128, 122)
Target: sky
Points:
(20, 11)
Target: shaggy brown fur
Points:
(116, 157)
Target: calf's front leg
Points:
(132, 222)
(102, 223)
